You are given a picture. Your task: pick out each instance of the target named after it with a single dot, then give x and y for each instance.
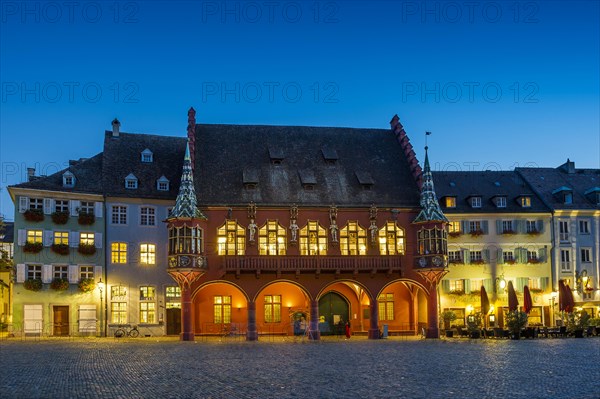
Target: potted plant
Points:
(86, 249)
(533, 261)
(474, 325)
(577, 322)
(59, 284)
(87, 284)
(61, 249)
(476, 233)
(457, 292)
(86, 218)
(32, 247)
(515, 322)
(33, 284)
(448, 316)
(33, 215)
(60, 217)
(454, 234)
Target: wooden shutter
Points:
(74, 239)
(48, 206)
(521, 282)
(520, 226)
(87, 318)
(74, 205)
(466, 256)
(464, 226)
(488, 285)
(73, 274)
(540, 226)
(98, 209)
(467, 285)
(484, 226)
(23, 204)
(48, 235)
(485, 255)
(498, 227)
(20, 272)
(445, 286)
(46, 274)
(542, 255)
(21, 237)
(544, 282)
(98, 240)
(500, 259)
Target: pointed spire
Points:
(186, 205)
(430, 208)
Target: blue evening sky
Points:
(499, 83)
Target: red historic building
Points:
(284, 229)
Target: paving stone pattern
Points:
(150, 368)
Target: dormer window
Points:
(329, 155)
(593, 194)
(564, 194)
(475, 202)
(131, 182)
(500, 201)
(365, 180)
(450, 202)
(525, 202)
(250, 178)
(162, 184)
(147, 156)
(307, 178)
(277, 156)
(68, 179)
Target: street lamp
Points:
(101, 288)
(552, 301)
(500, 282)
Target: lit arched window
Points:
(353, 239)
(231, 238)
(391, 239)
(432, 241)
(313, 239)
(185, 240)
(271, 239)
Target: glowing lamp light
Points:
(469, 308)
(502, 284)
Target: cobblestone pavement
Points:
(357, 368)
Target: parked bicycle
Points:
(125, 331)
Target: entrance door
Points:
(61, 320)
(334, 312)
(173, 321)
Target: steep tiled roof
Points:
(122, 156)
(227, 153)
(545, 181)
(87, 173)
(487, 185)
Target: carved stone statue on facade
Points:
(373, 230)
(333, 228)
(294, 229)
(252, 230)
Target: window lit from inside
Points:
(353, 239)
(271, 239)
(313, 239)
(385, 302)
(222, 309)
(231, 239)
(391, 239)
(272, 308)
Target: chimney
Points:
(191, 134)
(30, 174)
(568, 167)
(116, 125)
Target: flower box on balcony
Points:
(33, 284)
(32, 247)
(59, 284)
(60, 217)
(533, 261)
(534, 232)
(86, 218)
(455, 234)
(508, 232)
(455, 261)
(510, 261)
(476, 233)
(86, 249)
(456, 292)
(33, 215)
(87, 285)
(477, 262)
(61, 249)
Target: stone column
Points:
(314, 332)
(433, 330)
(252, 333)
(374, 327)
(187, 334)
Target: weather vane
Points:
(426, 134)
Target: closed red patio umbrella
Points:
(527, 302)
(569, 301)
(561, 295)
(513, 301)
(485, 305)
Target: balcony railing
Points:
(314, 264)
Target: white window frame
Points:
(147, 156)
(585, 255)
(563, 230)
(87, 208)
(86, 271)
(582, 223)
(525, 202)
(147, 254)
(565, 260)
(476, 202)
(121, 210)
(147, 215)
(501, 202)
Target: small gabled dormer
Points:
(449, 201)
(524, 201)
(329, 155)
(250, 178)
(162, 184)
(307, 179)
(68, 179)
(147, 156)
(365, 180)
(564, 194)
(276, 155)
(474, 201)
(131, 182)
(499, 201)
(593, 194)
